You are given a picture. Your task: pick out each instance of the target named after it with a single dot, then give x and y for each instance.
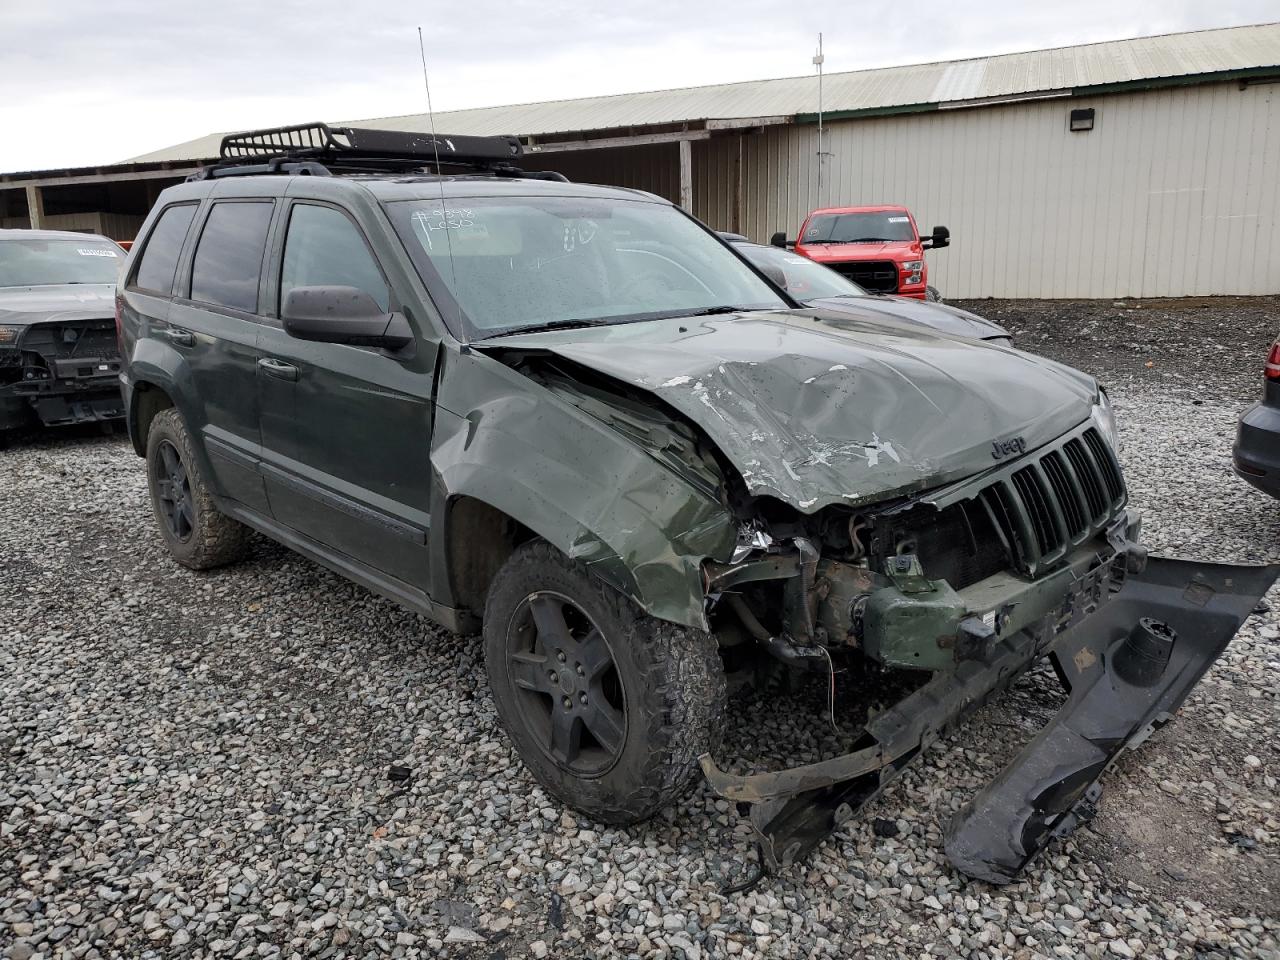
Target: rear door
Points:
(214, 323)
(149, 287)
(346, 431)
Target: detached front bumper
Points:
(70, 391)
(1129, 639)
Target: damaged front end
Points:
(59, 372)
(974, 584)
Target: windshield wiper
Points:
(722, 308)
(868, 240)
(567, 324)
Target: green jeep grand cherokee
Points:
(573, 417)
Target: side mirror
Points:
(344, 315)
(779, 239)
(941, 238)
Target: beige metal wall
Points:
(1174, 192)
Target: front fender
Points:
(595, 495)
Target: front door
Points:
(346, 431)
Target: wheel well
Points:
(150, 401)
(480, 539)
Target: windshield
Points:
(514, 263)
(803, 279)
(35, 262)
(869, 227)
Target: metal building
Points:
(1166, 183)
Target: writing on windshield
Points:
(501, 265)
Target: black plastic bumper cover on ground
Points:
(1127, 670)
(1127, 667)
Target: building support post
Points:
(35, 207)
(686, 175)
(739, 186)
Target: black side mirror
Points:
(779, 239)
(344, 315)
(941, 238)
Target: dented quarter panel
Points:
(593, 493)
(817, 408)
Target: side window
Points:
(228, 261)
(160, 256)
(324, 248)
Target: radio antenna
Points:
(435, 147)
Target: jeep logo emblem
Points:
(1003, 448)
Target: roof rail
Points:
(317, 148)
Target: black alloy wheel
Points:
(173, 489)
(570, 696)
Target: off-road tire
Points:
(216, 540)
(672, 678)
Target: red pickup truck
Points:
(877, 247)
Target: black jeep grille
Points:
(1056, 502)
(879, 276)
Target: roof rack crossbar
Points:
(317, 148)
(320, 141)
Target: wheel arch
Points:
(146, 402)
(662, 577)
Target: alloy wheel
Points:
(173, 489)
(569, 694)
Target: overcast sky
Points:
(84, 82)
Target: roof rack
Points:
(318, 149)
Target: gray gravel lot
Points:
(202, 764)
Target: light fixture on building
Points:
(1081, 120)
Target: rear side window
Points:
(324, 248)
(160, 256)
(228, 261)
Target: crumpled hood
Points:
(938, 316)
(72, 301)
(816, 407)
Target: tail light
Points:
(119, 324)
(1272, 369)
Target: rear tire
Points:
(196, 534)
(608, 708)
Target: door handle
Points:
(181, 338)
(278, 369)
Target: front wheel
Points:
(609, 708)
(932, 295)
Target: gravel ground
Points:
(270, 761)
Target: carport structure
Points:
(114, 199)
(111, 200)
